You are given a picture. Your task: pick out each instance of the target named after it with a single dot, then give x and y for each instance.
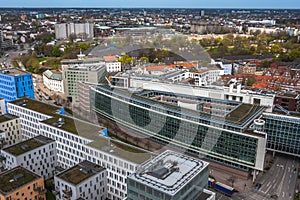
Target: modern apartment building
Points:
(37, 155)
(15, 84)
(31, 112)
(219, 130)
(81, 30)
(77, 140)
(11, 127)
(85, 180)
(20, 183)
(206, 76)
(171, 176)
(53, 81)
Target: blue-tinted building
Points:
(15, 84)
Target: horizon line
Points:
(140, 7)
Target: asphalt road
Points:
(11, 53)
(277, 183)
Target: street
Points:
(278, 183)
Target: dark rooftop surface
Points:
(80, 172)
(86, 130)
(16, 178)
(72, 125)
(7, 117)
(28, 145)
(36, 106)
(92, 132)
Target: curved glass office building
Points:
(222, 131)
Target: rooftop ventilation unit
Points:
(25, 147)
(17, 177)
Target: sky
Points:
(294, 4)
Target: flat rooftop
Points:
(7, 117)
(16, 178)
(80, 172)
(84, 60)
(169, 172)
(13, 72)
(237, 114)
(94, 133)
(71, 125)
(37, 106)
(28, 145)
(86, 130)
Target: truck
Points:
(211, 183)
(225, 189)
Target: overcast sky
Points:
(155, 3)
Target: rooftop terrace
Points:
(37, 106)
(80, 172)
(86, 130)
(7, 117)
(93, 132)
(15, 178)
(239, 115)
(28, 145)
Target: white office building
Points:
(223, 93)
(37, 155)
(31, 112)
(2, 106)
(113, 66)
(85, 180)
(11, 130)
(169, 176)
(53, 81)
(77, 141)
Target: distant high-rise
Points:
(81, 30)
(202, 13)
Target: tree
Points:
(84, 46)
(275, 49)
(72, 37)
(56, 52)
(144, 59)
(47, 50)
(294, 54)
(265, 64)
(251, 80)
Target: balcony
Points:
(40, 190)
(67, 193)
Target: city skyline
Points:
(288, 4)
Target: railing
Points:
(67, 193)
(41, 190)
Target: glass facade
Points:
(14, 87)
(283, 133)
(171, 127)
